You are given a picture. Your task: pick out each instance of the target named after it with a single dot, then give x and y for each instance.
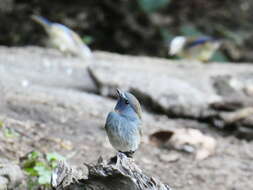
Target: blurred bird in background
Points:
(199, 48)
(123, 125)
(63, 38)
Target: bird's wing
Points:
(65, 29)
(193, 42)
(140, 130)
(72, 38)
(76, 38)
(80, 47)
(110, 120)
(79, 43)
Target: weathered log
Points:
(119, 173)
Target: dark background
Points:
(139, 27)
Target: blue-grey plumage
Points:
(123, 125)
(63, 38)
(199, 48)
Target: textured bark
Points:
(122, 174)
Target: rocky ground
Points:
(58, 103)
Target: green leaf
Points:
(44, 173)
(33, 155)
(41, 164)
(31, 171)
(39, 168)
(31, 162)
(10, 133)
(54, 157)
(53, 164)
(45, 178)
(150, 6)
(1, 124)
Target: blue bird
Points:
(123, 125)
(199, 48)
(63, 38)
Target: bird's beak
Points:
(121, 94)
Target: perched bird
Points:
(201, 48)
(63, 38)
(123, 125)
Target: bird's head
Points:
(177, 45)
(128, 105)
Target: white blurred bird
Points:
(63, 38)
(199, 48)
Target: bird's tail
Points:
(41, 20)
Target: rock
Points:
(244, 133)
(3, 183)
(37, 66)
(11, 175)
(177, 89)
(205, 96)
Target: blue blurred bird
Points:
(198, 48)
(123, 125)
(63, 38)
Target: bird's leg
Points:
(129, 154)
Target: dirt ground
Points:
(70, 121)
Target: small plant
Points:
(7, 131)
(39, 167)
(1, 124)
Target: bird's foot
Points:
(114, 159)
(129, 154)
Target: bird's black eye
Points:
(126, 102)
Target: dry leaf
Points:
(161, 137)
(189, 140)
